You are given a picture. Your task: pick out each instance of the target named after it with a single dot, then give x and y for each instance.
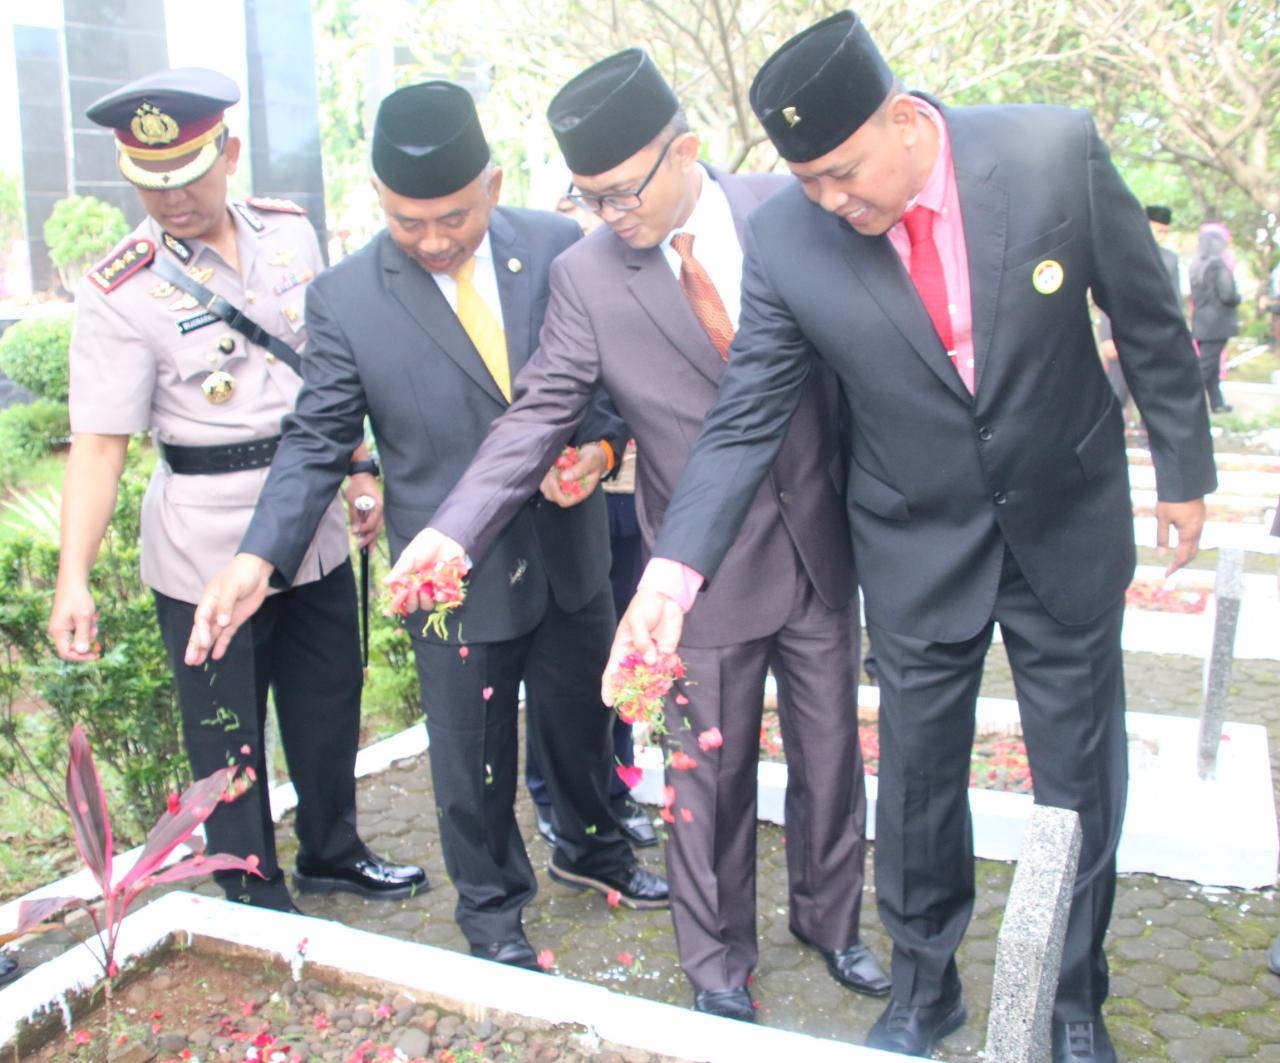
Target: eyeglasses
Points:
(622, 201)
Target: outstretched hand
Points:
(424, 551)
(231, 597)
(651, 626)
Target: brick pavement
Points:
(1189, 965)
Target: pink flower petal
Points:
(614, 897)
(487, 693)
(710, 739)
(546, 959)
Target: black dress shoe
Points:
(542, 816)
(727, 1003)
(369, 876)
(1082, 1042)
(913, 1030)
(854, 968)
(514, 953)
(636, 887)
(9, 969)
(636, 824)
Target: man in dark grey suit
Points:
(939, 260)
(421, 331)
(618, 316)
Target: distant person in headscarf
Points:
(1214, 298)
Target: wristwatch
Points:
(369, 464)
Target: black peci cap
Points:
(610, 111)
(1160, 215)
(818, 89)
(427, 140)
(169, 127)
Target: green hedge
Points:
(28, 432)
(33, 354)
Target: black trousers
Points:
(1070, 688)
(303, 645)
(627, 548)
(470, 706)
(1210, 369)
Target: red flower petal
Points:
(626, 959)
(630, 775)
(546, 959)
(710, 739)
(614, 897)
(463, 652)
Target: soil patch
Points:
(215, 1002)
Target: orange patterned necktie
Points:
(702, 295)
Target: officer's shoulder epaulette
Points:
(122, 264)
(283, 206)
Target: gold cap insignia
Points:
(793, 119)
(151, 125)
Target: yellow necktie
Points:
(484, 329)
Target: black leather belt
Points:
(231, 457)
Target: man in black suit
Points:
(422, 331)
(939, 260)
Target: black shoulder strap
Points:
(221, 308)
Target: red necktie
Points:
(927, 275)
(703, 296)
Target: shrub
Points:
(125, 702)
(27, 433)
(79, 231)
(34, 355)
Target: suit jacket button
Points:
(782, 496)
(999, 498)
(985, 433)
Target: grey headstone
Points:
(1029, 945)
(1228, 589)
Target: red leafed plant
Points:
(87, 806)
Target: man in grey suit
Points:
(422, 331)
(618, 316)
(939, 260)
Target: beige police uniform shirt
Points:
(134, 369)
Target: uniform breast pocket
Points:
(1047, 245)
(203, 352)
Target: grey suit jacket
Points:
(385, 343)
(618, 317)
(941, 481)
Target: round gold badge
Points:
(1047, 277)
(227, 344)
(218, 386)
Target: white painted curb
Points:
(457, 982)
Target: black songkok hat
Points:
(610, 111)
(1160, 215)
(815, 91)
(168, 125)
(427, 140)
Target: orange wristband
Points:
(608, 453)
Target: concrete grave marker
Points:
(1029, 946)
(1228, 590)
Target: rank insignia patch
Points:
(122, 264)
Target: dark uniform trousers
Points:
(1070, 688)
(711, 852)
(302, 645)
(470, 703)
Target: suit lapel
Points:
(984, 209)
(882, 273)
(422, 299)
(656, 289)
(510, 256)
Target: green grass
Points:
(1258, 370)
(43, 474)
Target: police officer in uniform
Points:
(192, 330)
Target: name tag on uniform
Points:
(190, 324)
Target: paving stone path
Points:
(1189, 964)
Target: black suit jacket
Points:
(385, 343)
(941, 480)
